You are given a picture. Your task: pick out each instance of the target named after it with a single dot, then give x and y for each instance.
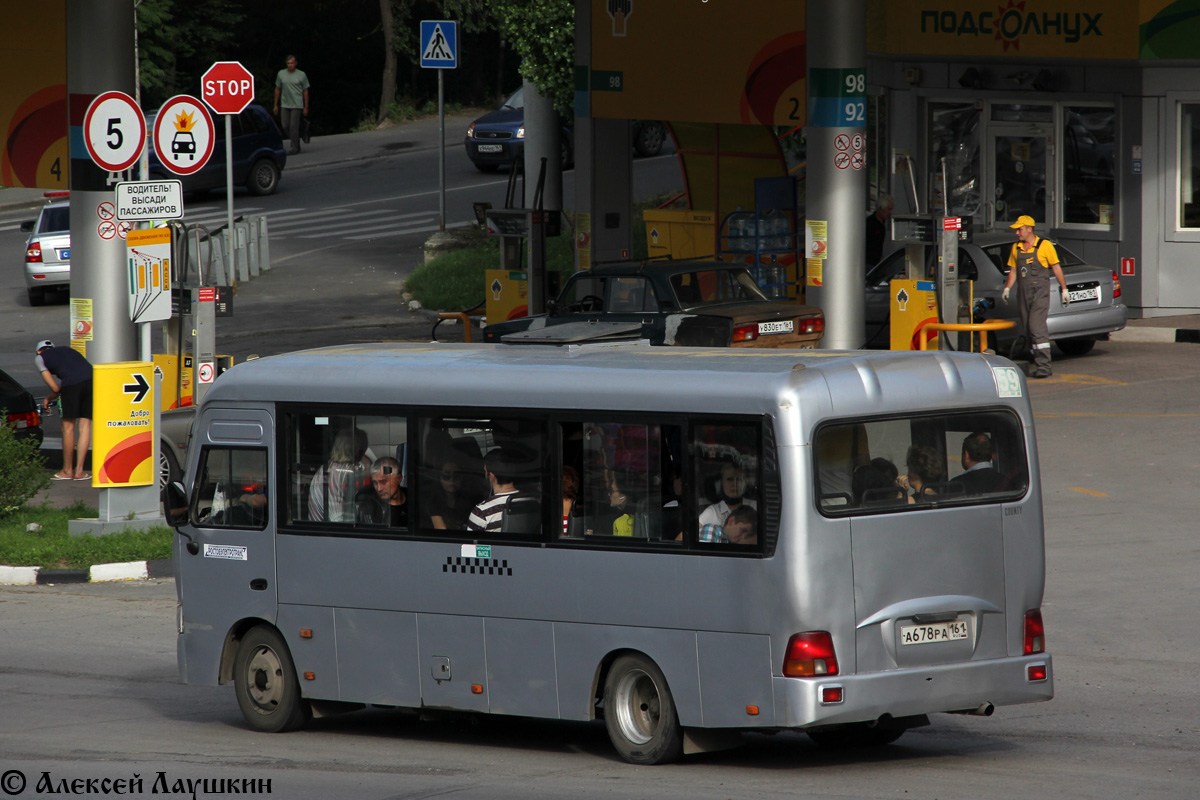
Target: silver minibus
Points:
(687, 544)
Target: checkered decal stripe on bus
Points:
(477, 566)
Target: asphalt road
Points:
(87, 673)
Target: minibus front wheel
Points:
(265, 681)
(639, 712)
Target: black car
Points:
(20, 410)
(688, 303)
(258, 154)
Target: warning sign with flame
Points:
(183, 135)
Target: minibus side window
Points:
(909, 463)
(232, 489)
(727, 480)
(349, 470)
(621, 483)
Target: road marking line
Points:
(361, 231)
(343, 224)
(1092, 492)
(426, 229)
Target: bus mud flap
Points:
(708, 740)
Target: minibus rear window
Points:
(911, 462)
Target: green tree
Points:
(542, 32)
(22, 470)
(178, 40)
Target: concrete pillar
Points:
(837, 182)
(99, 59)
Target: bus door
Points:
(231, 574)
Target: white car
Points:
(48, 251)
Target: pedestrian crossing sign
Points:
(439, 44)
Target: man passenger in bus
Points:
(385, 501)
(925, 468)
(731, 487)
(570, 490)
(488, 516)
(739, 528)
(979, 475)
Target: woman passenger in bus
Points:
(448, 507)
(331, 492)
(619, 498)
(925, 468)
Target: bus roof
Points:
(618, 377)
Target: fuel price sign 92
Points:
(114, 131)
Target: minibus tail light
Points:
(809, 654)
(1035, 632)
(1116, 284)
(745, 333)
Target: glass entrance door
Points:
(1019, 171)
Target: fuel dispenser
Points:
(191, 363)
(932, 289)
(521, 286)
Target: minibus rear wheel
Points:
(855, 734)
(639, 712)
(265, 681)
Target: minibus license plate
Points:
(778, 326)
(937, 632)
(491, 148)
(1084, 294)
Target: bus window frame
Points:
(994, 498)
(551, 421)
(194, 499)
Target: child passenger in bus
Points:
(739, 528)
(730, 490)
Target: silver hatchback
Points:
(1094, 310)
(48, 251)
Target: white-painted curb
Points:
(127, 571)
(18, 576)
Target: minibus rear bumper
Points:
(910, 692)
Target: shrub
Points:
(22, 470)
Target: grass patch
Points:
(53, 548)
(455, 280)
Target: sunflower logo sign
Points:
(123, 434)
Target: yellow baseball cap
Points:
(1022, 221)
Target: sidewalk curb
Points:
(127, 571)
(1156, 335)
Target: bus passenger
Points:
(487, 516)
(731, 488)
(877, 482)
(570, 489)
(979, 475)
(448, 506)
(739, 528)
(331, 492)
(385, 501)
(925, 468)
(622, 504)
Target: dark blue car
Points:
(258, 155)
(497, 139)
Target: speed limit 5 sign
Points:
(114, 131)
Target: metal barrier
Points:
(463, 317)
(981, 327)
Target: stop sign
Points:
(227, 87)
